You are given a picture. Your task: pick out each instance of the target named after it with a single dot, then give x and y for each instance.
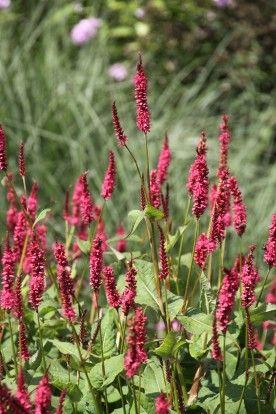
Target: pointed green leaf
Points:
(113, 367)
(167, 346)
(153, 213)
(41, 215)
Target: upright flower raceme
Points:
(136, 354)
(86, 203)
(22, 393)
(270, 246)
(240, 217)
(3, 156)
(226, 297)
(142, 109)
(216, 351)
(112, 293)
(109, 178)
(120, 135)
(164, 161)
(19, 234)
(22, 341)
(164, 273)
(43, 396)
(8, 274)
(65, 282)
(162, 405)
(9, 403)
(198, 183)
(37, 273)
(96, 263)
(204, 246)
(224, 140)
(21, 161)
(128, 296)
(155, 189)
(250, 278)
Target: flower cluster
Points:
(142, 109)
(249, 277)
(270, 247)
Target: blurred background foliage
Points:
(203, 58)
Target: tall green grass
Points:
(57, 99)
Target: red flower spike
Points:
(22, 341)
(224, 140)
(21, 160)
(22, 393)
(65, 282)
(9, 403)
(43, 396)
(37, 273)
(18, 300)
(121, 244)
(96, 263)
(19, 234)
(142, 109)
(249, 277)
(198, 183)
(109, 178)
(162, 405)
(7, 297)
(270, 247)
(59, 409)
(164, 273)
(240, 217)
(203, 248)
(3, 156)
(216, 351)
(164, 161)
(32, 201)
(120, 135)
(251, 337)
(129, 294)
(112, 293)
(85, 202)
(155, 189)
(136, 354)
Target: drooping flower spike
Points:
(3, 156)
(198, 183)
(109, 178)
(270, 246)
(120, 135)
(142, 109)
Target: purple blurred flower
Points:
(4, 4)
(85, 30)
(222, 3)
(177, 325)
(160, 329)
(139, 13)
(118, 71)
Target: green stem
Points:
(102, 358)
(147, 160)
(13, 346)
(24, 184)
(220, 385)
(96, 403)
(256, 382)
(185, 299)
(135, 162)
(263, 286)
(41, 343)
(134, 397)
(246, 366)
(223, 374)
(182, 240)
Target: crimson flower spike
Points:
(43, 396)
(112, 293)
(59, 409)
(21, 161)
(37, 273)
(198, 183)
(270, 246)
(129, 294)
(164, 273)
(224, 139)
(249, 277)
(164, 161)
(109, 178)
(3, 155)
(22, 393)
(120, 135)
(142, 109)
(155, 189)
(9, 403)
(162, 405)
(240, 217)
(86, 202)
(8, 273)
(96, 264)
(216, 351)
(22, 341)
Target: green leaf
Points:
(35, 360)
(135, 217)
(167, 346)
(263, 313)
(231, 364)
(108, 334)
(152, 378)
(84, 245)
(153, 213)
(60, 379)
(67, 348)
(196, 347)
(197, 323)
(146, 288)
(113, 367)
(186, 260)
(173, 238)
(41, 215)
(174, 304)
(207, 293)
(119, 256)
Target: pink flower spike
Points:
(142, 109)
(65, 282)
(32, 201)
(155, 189)
(164, 161)
(22, 393)
(3, 156)
(270, 247)
(121, 137)
(96, 263)
(9, 403)
(19, 234)
(21, 161)
(43, 396)
(203, 248)
(109, 179)
(37, 273)
(129, 294)
(164, 273)
(59, 409)
(112, 293)
(226, 297)
(22, 341)
(162, 405)
(198, 183)
(249, 277)
(7, 296)
(136, 354)
(85, 202)
(224, 140)
(240, 218)
(216, 351)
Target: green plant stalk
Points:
(220, 385)
(121, 394)
(182, 241)
(24, 184)
(41, 343)
(182, 381)
(96, 403)
(13, 346)
(134, 397)
(139, 398)
(70, 233)
(102, 358)
(135, 162)
(246, 366)
(256, 382)
(185, 298)
(224, 374)
(263, 285)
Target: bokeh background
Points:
(59, 75)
